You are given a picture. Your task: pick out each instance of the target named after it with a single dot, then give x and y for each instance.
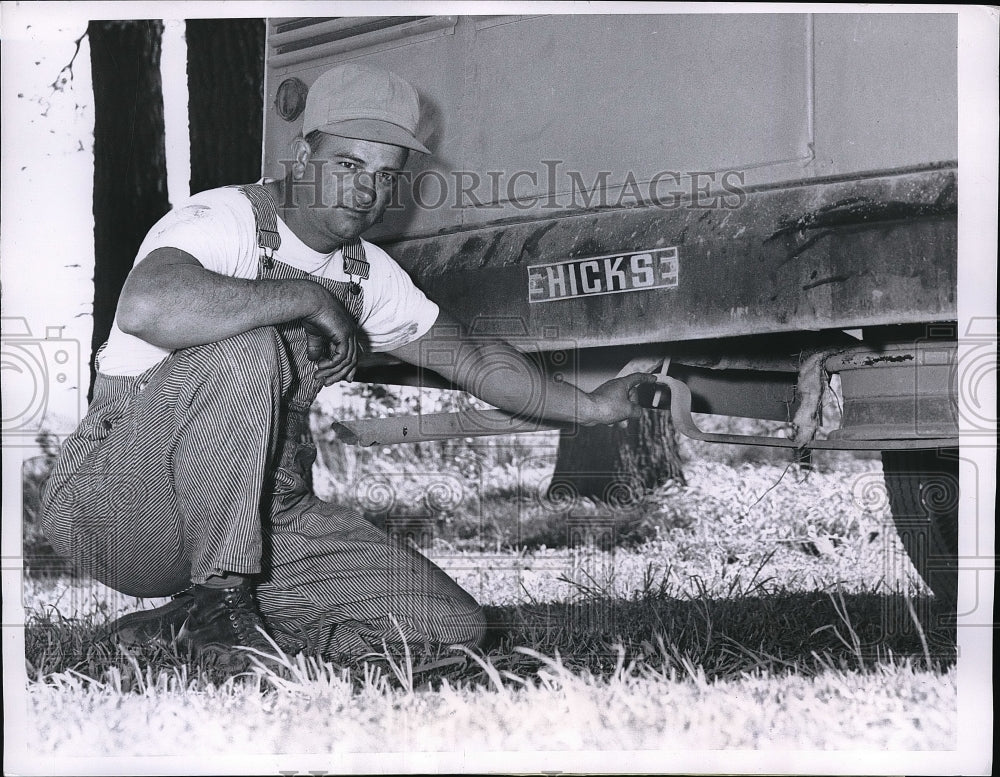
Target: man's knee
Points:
(469, 630)
(456, 625)
(260, 349)
(453, 620)
(256, 350)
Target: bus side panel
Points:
(530, 115)
(886, 91)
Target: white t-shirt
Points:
(217, 228)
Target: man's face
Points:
(358, 178)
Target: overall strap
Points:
(265, 217)
(355, 262)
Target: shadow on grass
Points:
(776, 634)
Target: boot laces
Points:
(242, 617)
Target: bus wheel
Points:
(923, 495)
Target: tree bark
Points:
(617, 465)
(225, 100)
(130, 161)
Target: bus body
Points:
(748, 203)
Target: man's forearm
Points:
(498, 373)
(183, 305)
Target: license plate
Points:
(655, 268)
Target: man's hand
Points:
(617, 400)
(332, 339)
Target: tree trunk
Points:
(225, 100)
(617, 465)
(130, 161)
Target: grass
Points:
(553, 708)
(794, 670)
(725, 637)
(761, 606)
(631, 659)
(760, 667)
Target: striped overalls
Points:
(202, 465)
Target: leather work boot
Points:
(161, 624)
(221, 620)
